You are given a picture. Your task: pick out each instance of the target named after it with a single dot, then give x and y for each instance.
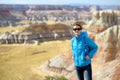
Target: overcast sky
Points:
(99, 2)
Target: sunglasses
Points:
(74, 29)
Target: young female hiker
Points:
(83, 49)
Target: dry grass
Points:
(5, 29)
(21, 62)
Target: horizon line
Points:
(71, 4)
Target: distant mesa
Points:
(18, 15)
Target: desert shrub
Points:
(55, 78)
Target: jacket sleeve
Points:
(93, 47)
(71, 43)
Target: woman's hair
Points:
(78, 24)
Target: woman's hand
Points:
(87, 57)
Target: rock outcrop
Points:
(105, 62)
(108, 71)
(37, 33)
(109, 44)
(61, 64)
(106, 18)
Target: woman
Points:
(83, 49)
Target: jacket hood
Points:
(83, 34)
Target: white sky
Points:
(104, 2)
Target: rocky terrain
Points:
(106, 18)
(104, 29)
(36, 16)
(37, 33)
(105, 64)
(15, 15)
(106, 61)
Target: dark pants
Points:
(85, 71)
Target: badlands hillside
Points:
(104, 29)
(105, 64)
(15, 15)
(37, 33)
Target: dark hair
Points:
(78, 24)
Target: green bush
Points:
(55, 78)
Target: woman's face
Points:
(77, 30)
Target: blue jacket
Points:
(79, 51)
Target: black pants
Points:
(85, 71)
